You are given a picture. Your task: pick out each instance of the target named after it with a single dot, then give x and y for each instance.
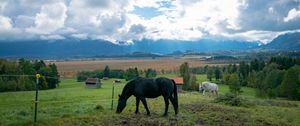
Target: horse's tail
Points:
(175, 97)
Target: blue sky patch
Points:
(146, 12)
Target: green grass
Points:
(74, 104)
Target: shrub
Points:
(230, 99)
(99, 107)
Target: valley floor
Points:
(74, 104)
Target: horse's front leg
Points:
(137, 105)
(166, 106)
(145, 105)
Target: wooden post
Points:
(112, 96)
(36, 96)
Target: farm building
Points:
(93, 83)
(179, 82)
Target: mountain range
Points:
(100, 48)
(285, 42)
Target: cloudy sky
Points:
(127, 20)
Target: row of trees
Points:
(20, 76)
(127, 74)
(279, 77)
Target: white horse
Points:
(208, 86)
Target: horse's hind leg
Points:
(145, 105)
(166, 105)
(137, 105)
(175, 105)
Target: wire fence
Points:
(16, 75)
(41, 101)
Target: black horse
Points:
(143, 88)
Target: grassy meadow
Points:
(74, 104)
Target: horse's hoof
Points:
(148, 114)
(164, 115)
(137, 112)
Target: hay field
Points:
(70, 68)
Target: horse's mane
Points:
(129, 87)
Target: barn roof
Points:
(178, 80)
(91, 80)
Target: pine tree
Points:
(106, 71)
(234, 84)
(217, 73)
(225, 78)
(290, 84)
(254, 65)
(185, 73)
(209, 74)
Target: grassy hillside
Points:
(74, 104)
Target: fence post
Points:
(36, 95)
(112, 96)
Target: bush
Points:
(193, 85)
(131, 73)
(150, 73)
(11, 85)
(116, 74)
(82, 76)
(99, 107)
(230, 99)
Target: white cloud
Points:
(81, 36)
(293, 14)
(2, 5)
(147, 3)
(52, 37)
(7, 30)
(116, 20)
(262, 36)
(98, 19)
(187, 20)
(271, 10)
(5, 23)
(49, 19)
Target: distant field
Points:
(74, 104)
(70, 68)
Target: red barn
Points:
(179, 82)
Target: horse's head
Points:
(121, 103)
(201, 87)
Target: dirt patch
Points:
(137, 121)
(144, 120)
